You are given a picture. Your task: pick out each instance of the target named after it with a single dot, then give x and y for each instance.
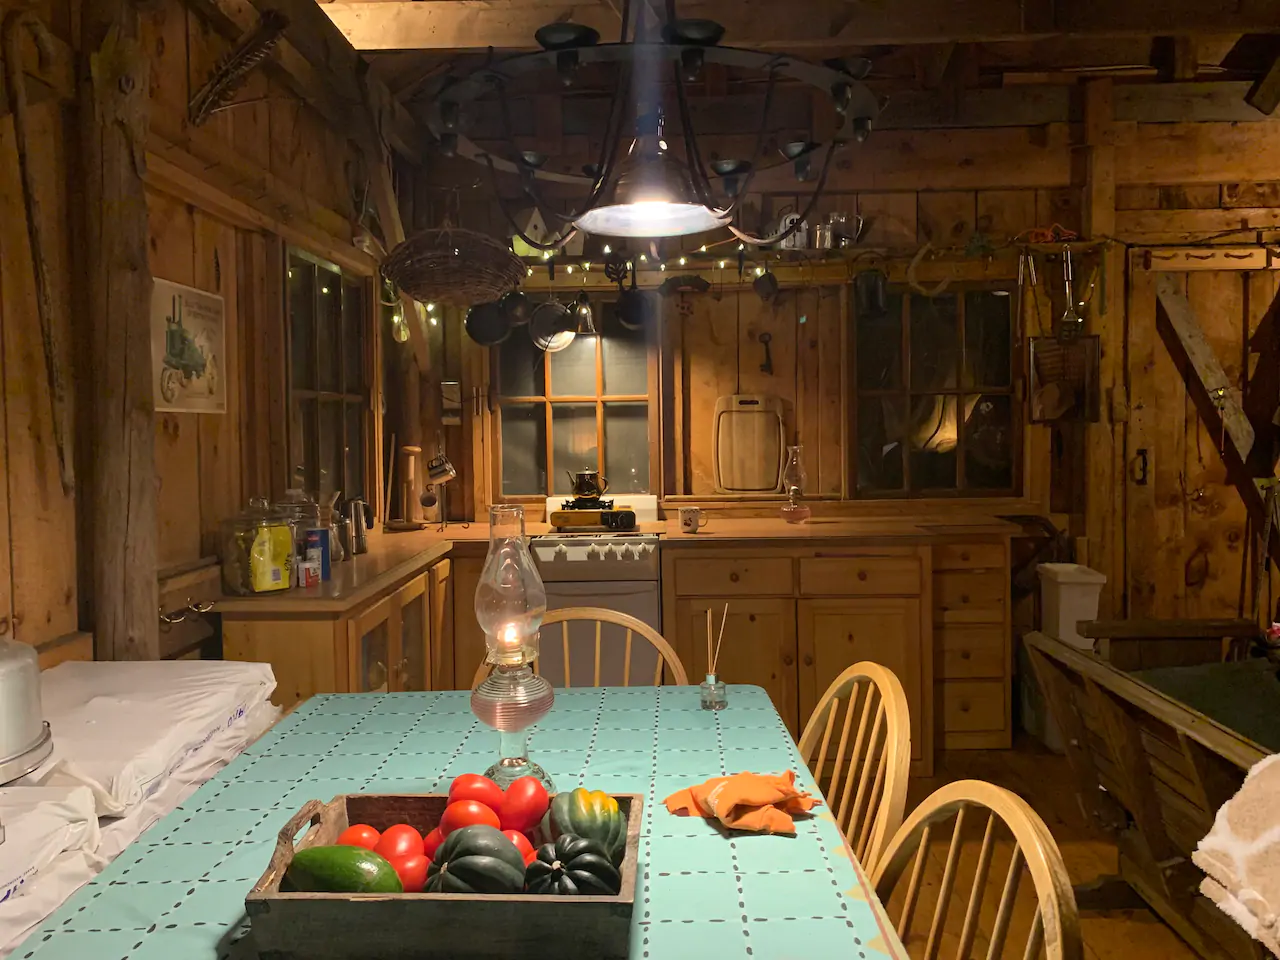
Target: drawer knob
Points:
(964, 598)
(862, 575)
(787, 660)
(964, 555)
(964, 654)
(733, 577)
(808, 660)
(751, 617)
(964, 706)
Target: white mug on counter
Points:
(692, 520)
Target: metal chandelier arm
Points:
(813, 202)
(554, 245)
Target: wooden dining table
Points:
(702, 893)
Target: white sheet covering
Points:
(40, 824)
(70, 870)
(106, 734)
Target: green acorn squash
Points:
(592, 814)
(476, 859)
(572, 866)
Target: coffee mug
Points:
(692, 520)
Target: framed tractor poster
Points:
(188, 349)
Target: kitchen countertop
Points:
(396, 557)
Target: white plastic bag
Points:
(40, 823)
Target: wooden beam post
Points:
(118, 499)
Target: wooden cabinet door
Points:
(373, 646)
(759, 646)
(468, 639)
(835, 634)
(441, 625)
(413, 667)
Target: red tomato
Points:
(412, 871)
(359, 835)
(522, 843)
(431, 843)
(472, 786)
(464, 813)
(524, 804)
(399, 841)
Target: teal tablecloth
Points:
(178, 892)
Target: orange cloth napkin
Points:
(760, 802)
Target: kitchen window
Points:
(936, 410)
(328, 377)
(585, 407)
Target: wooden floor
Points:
(1043, 780)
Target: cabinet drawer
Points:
(860, 576)
(972, 705)
(754, 576)
(965, 597)
(968, 556)
(971, 651)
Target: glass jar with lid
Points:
(257, 551)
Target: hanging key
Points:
(767, 366)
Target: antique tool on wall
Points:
(229, 74)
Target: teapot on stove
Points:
(588, 483)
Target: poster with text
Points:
(188, 349)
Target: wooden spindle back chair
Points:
(1043, 921)
(667, 657)
(862, 766)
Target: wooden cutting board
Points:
(749, 444)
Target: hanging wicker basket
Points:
(454, 266)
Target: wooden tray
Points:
(428, 926)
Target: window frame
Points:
(499, 400)
(1015, 391)
(346, 399)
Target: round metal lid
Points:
(19, 765)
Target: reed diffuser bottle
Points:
(714, 694)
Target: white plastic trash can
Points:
(1069, 593)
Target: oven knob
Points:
(627, 553)
(593, 552)
(562, 552)
(610, 553)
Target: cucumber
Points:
(342, 870)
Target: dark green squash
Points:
(572, 866)
(476, 859)
(593, 814)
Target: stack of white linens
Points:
(131, 742)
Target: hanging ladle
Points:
(1071, 325)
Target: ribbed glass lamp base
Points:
(510, 700)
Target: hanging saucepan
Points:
(487, 324)
(552, 326)
(635, 307)
(516, 308)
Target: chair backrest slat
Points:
(667, 659)
(1055, 923)
(865, 781)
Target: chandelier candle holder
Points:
(510, 604)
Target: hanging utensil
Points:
(487, 324)
(1071, 326)
(552, 327)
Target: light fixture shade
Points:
(652, 197)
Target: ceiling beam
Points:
(476, 24)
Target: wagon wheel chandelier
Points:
(637, 188)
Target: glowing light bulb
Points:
(722, 263)
(431, 308)
(608, 249)
(546, 254)
(741, 247)
(569, 268)
(530, 272)
(759, 271)
(434, 321)
(586, 266)
(324, 289)
(662, 266)
(703, 248)
(644, 258)
(682, 261)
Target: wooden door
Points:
(413, 667)
(441, 625)
(835, 634)
(373, 646)
(759, 646)
(468, 639)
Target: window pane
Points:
(626, 447)
(988, 443)
(625, 355)
(931, 434)
(302, 278)
(987, 339)
(302, 445)
(524, 449)
(354, 479)
(329, 328)
(353, 322)
(881, 424)
(879, 348)
(330, 478)
(935, 347)
(573, 369)
(574, 445)
(520, 366)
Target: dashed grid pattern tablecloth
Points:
(178, 892)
